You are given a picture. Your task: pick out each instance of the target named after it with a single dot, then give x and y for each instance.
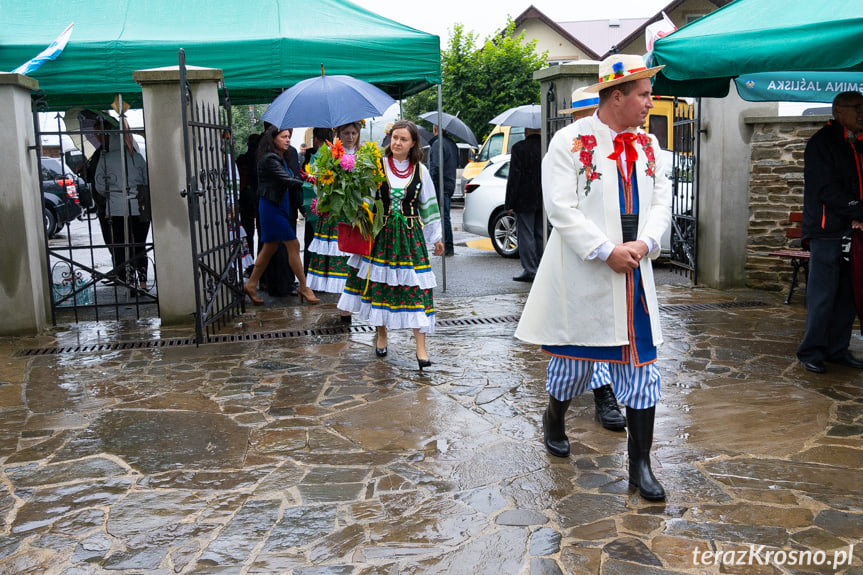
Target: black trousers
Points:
(829, 301)
(528, 225)
(134, 246)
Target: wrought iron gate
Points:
(101, 264)
(211, 193)
(684, 201)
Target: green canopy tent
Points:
(751, 36)
(262, 47)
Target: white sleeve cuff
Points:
(602, 252)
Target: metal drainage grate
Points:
(712, 306)
(258, 336)
(324, 331)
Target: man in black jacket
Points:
(450, 166)
(524, 198)
(832, 202)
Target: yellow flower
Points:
(327, 178)
(368, 211)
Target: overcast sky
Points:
(486, 17)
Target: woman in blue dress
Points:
(276, 180)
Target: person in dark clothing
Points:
(450, 166)
(247, 166)
(832, 203)
(524, 199)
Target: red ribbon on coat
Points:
(624, 141)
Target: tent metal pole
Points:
(440, 171)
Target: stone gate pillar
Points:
(560, 80)
(24, 293)
(172, 241)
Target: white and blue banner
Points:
(797, 86)
(49, 53)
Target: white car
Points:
(484, 215)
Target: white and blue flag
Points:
(49, 53)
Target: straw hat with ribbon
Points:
(620, 68)
(582, 101)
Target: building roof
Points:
(600, 38)
(601, 35)
(533, 13)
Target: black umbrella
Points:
(452, 126)
(425, 137)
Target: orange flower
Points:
(576, 145)
(337, 149)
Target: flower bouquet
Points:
(347, 184)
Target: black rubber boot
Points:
(607, 411)
(640, 423)
(556, 442)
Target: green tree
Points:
(479, 83)
(245, 120)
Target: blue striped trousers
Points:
(634, 386)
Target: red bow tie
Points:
(624, 141)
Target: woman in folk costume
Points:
(328, 266)
(392, 287)
(593, 299)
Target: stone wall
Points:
(775, 189)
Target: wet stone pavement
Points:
(310, 456)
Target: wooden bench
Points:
(799, 258)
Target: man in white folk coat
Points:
(593, 299)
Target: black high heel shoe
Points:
(423, 362)
(381, 351)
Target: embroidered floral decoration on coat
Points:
(584, 146)
(646, 145)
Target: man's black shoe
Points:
(814, 366)
(607, 411)
(524, 277)
(848, 360)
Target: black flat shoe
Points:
(847, 360)
(345, 318)
(814, 366)
(524, 277)
(381, 352)
(423, 362)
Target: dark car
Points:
(60, 191)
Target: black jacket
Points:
(450, 164)
(274, 179)
(524, 184)
(832, 193)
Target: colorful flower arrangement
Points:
(347, 184)
(584, 146)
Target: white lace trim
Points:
(424, 279)
(392, 320)
(325, 248)
(328, 284)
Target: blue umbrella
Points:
(326, 102)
